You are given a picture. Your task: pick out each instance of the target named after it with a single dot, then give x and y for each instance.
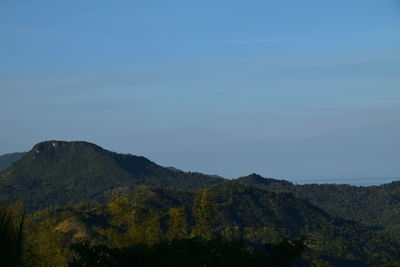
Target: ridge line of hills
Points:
(59, 173)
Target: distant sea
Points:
(350, 181)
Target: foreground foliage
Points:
(188, 252)
(11, 237)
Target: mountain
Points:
(258, 181)
(60, 173)
(375, 206)
(7, 159)
(252, 207)
(256, 215)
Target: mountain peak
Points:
(53, 144)
(255, 176)
(60, 172)
(257, 180)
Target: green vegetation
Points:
(375, 206)
(144, 218)
(44, 244)
(188, 252)
(11, 237)
(84, 236)
(177, 223)
(91, 204)
(204, 212)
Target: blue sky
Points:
(288, 89)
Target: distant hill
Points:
(7, 159)
(260, 182)
(60, 173)
(375, 206)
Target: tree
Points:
(133, 224)
(44, 245)
(177, 223)
(11, 237)
(285, 252)
(152, 227)
(204, 211)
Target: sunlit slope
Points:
(256, 215)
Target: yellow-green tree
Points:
(177, 223)
(152, 227)
(137, 224)
(44, 245)
(204, 211)
(119, 208)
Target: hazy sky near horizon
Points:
(287, 89)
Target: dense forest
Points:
(225, 215)
(76, 204)
(375, 206)
(40, 244)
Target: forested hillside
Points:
(375, 206)
(233, 211)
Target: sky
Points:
(296, 90)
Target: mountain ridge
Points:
(60, 173)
